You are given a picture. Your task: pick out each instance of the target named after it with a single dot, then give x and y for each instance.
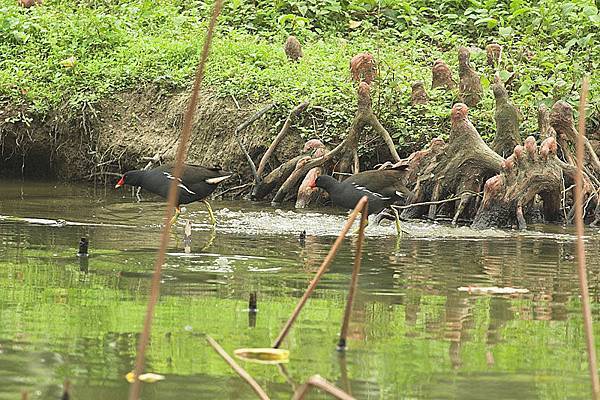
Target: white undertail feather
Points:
(214, 181)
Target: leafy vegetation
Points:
(80, 52)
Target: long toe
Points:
(383, 215)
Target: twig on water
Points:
(134, 390)
(322, 384)
(220, 194)
(354, 282)
(429, 203)
(324, 266)
(581, 270)
(238, 370)
(92, 175)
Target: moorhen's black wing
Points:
(387, 182)
(196, 183)
(201, 180)
(382, 187)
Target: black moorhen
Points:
(382, 187)
(196, 183)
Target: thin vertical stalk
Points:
(354, 282)
(326, 263)
(134, 390)
(238, 370)
(581, 270)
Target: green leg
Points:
(211, 216)
(176, 216)
(399, 229)
(397, 221)
(355, 232)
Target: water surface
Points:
(413, 334)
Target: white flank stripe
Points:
(363, 189)
(181, 185)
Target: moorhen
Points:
(196, 183)
(382, 187)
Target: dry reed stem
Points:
(354, 282)
(322, 384)
(134, 390)
(238, 370)
(324, 266)
(581, 270)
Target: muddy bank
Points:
(121, 132)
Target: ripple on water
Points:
(278, 222)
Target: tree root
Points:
(457, 169)
(345, 150)
(525, 174)
(508, 119)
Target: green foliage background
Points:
(119, 45)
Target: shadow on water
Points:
(413, 334)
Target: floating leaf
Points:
(149, 377)
(130, 376)
(263, 355)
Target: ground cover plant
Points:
(66, 53)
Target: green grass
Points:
(122, 45)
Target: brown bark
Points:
(561, 119)
(293, 49)
(469, 88)
(525, 174)
(441, 76)
(306, 193)
(508, 119)
(284, 130)
(275, 178)
(345, 150)
(458, 168)
(418, 95)
(544, 127)
(494, 54)
(29, 3)
(363, 68)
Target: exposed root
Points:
(508, 119)
(442, 76)
(457, 169)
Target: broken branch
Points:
(284, 130)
